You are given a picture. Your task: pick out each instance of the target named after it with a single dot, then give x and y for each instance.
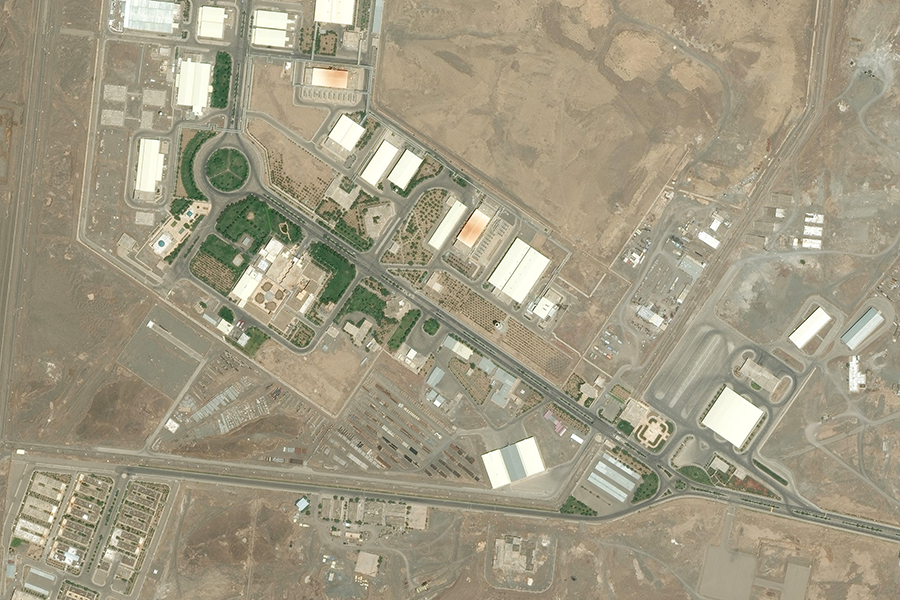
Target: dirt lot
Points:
(273, 93)
(222, 541)
(326, 377)
(585, 315)
(76, 311)
(563, 101)
(301, 175)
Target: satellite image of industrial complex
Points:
(450, 299)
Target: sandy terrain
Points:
(76, 312)
(582, 117)
(273, 93)
(325, 377)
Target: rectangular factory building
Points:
(346, 132)
(192, 84)
(473, 228)
(270, 28)
(810, 328)
(732, 417)
(149, 15)
(338, 79)
(379, 164)
(150, 165)
(513, 463)
(404, 170)
(211, 22)
(519, 270)
(339, 12)
(447, 226)
(862, 329)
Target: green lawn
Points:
(573, 506)
(227, 169)
(342, 271)
(695, 473)
(251, 216)
(227, 314)
(187, 164)
(257, 338)
(402, 332)
(221, 80)
(431, 326)
(365, 301)
(648, 487)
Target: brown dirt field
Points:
(273, 93)
(259, 437)
(77, 312)
(518, 96)
(557, 100)
(585, 316)
(325, 378)
(122, 413)
(291, 168)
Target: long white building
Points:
(193, 85)
(378, 166)
(519, 270)
(810, 328)
(150, 165)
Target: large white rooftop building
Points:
(335, 11)
(211, 22)
(448, 225)
(154, 16)
(405, 169)
(732, 417)
(379, 164)
(519, 270)
(512, 463)
(270, 28)
(346, 132)
(192, 85)
(150, 165)
(862, 329)
(810, 328)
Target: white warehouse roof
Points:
(346, 132)
(809, 328)
(379, 164)
(335, 11)
(150, 165)
(519, 270)
(246, 285)
(862, 329)
(192, 82)
(270, 28)
(448, 225)
(512, 463)
(732, 417)
(149, 15)
(212, 22)
(406, 167)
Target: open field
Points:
(302, 176)
(76, 313)
(554, 102)
(273, 93)
(221, 541)
(325, 377)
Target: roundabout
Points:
(227, 169)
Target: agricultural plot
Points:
(227, 169)
(407, 247)
(215, 265)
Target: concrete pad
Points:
(727, 575)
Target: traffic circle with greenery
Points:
(227, 169)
